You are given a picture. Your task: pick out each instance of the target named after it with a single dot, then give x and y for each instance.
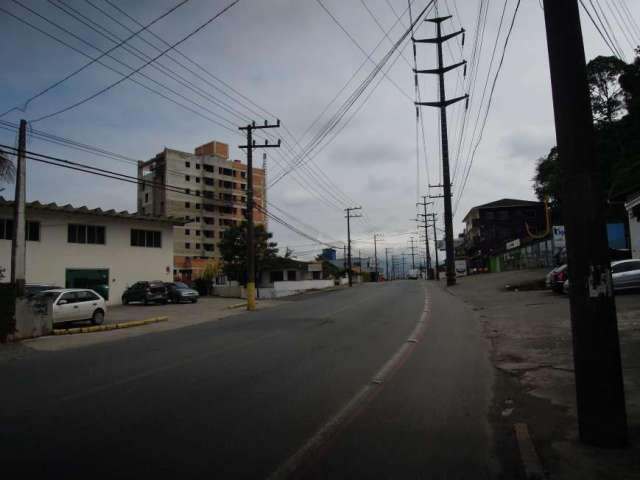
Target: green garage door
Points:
(95, 279)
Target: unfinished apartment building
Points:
(205, 188)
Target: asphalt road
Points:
(237, 398)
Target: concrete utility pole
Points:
(403, 265)
(602, 418)
(344, 256)
(386, 263)
(19, 240)
(413, 260)
(251, 270)
(435, 240)
(349, 216)
(376, 236)
(424, 204)
(443, 104)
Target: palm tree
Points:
(7, 168)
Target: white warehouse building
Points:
(89, 248)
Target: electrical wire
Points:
(119, 81)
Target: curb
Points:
(530, 460)
(113, 326)
(236, 305)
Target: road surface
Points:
(377, 381)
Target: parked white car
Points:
(73, 304)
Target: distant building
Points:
(106, 251)
(209, 193)
(329, 253)
(490, 226)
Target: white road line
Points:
(349, 410)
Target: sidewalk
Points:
(531, 340)
(179, 315)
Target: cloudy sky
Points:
(289, 58)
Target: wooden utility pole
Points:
(442, 104)
(349, 216)
(19, 239)
(602, 418)
(251, 270)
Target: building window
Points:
(187, 191)
(144, 211)
(146, 238)
(209, 247)
(187, 178)
(198, 193)
(197, 232)
(291, 275)
(146, 198)
(197, 246)
(187, 164)
(6, 229)
(197, 166)
(197, 205)
(197, 219)
(197, 179)
(33, 231)
(187, 246)
(187, 205)
(187, 231)
(92, 234)
(243, 174)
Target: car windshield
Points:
(181, 285)
(44, 296)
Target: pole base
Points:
(251, 296)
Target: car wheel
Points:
(125, 301)
(195, 300)
(146, 302)
(98, 317)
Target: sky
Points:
(288, 59)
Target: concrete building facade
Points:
(633, 208)
(89, 248)
(205, 188)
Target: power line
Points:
(94, 60)
(118, 82)
(488, 109)
(355, 42)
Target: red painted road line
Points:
(319, 443)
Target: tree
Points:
(233, 250)
(615, 97)
(7, 168)
(607, 95)
(329, 270)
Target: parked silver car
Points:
(625, 275)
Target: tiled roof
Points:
(68, 208)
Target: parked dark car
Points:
(557, 277)
(146, 292)
(181, 292)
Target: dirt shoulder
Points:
(530, 334)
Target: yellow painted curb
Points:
(237, 305)
(113, 326)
